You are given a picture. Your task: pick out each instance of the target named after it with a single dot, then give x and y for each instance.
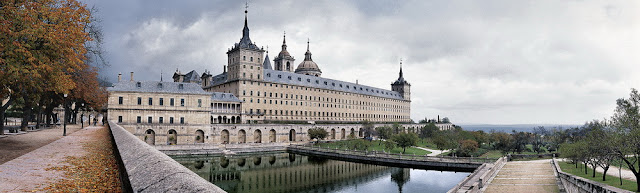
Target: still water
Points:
(285, 173)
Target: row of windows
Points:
(320, 90)
(244, 58)
(160, 101)
(341, 86)
(321, 99)
(324, 105)
(324, 114)
(150, 120)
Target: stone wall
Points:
(149, 170)
(576, 184)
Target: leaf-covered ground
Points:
(96, 171)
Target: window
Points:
(244, 58)
(119, 119)
(181, 120)
(161, 101)
(138, 84)
(161, 120)
(171, 101)
(119, 100)
(181, 86)
(170, 120)
(139, 100)
(182, 102)
(199, 102)
(149, 119)
(150, 101)
(160, 85)
(139, 119)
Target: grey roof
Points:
(219, 79)
(224, 97)
(158, 87)
(192, 76)
(401, 80)
(325, 83)
(267, 62)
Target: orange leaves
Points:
(46, 36)
(95, 172)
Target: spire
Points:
(400, 69)
(267, 63)
(307, 55)
(284, 41)
(245, 41)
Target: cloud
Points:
(475, 62)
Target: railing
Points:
(484, 176)
(574, 183)
(378, 154)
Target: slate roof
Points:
(224, 97)
(158, 87)
(192, 77)
(325, 83)
(267, 62)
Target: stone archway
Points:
(343, 134)
(224, 136)
(233, 119)
(219, 119)
(150, 137)
(333, 133)
(238, 120)
(199, 136)
(272, 136)
(352, 133)
(257, 136)
(225, 120)
(360, 133)
(242, 136)
(172, 137)
(292, 135)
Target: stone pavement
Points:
(29, 171)
(13, 146)
(524, 176)
(434, 152)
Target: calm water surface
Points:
(285, 173)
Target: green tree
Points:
(317, 133)
(467, 147)
(389, 145)
(384, 133)
(405, 140)
(428, 130)
(397, 128)
(367, 128)
(626, 120)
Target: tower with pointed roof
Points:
(284, 60)
(245, 58)
(308, 66)
(402, 86)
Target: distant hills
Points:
(508, 128)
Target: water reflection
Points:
(284, 172)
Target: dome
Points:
(308, 66)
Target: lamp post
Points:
(64, 104)
(82, 117)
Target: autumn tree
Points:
(42, 44)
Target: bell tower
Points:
(284, 60)
(245, 57)
(402, 86)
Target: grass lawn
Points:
(373, 146)
(611, 180)
(492, 154)
(427, 144)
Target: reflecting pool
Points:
(283, 173)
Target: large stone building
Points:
(251, 102)
(285, 94)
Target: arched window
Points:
(244, 58)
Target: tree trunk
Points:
(604, 175)
(26, 115)
(404, 149)
(586, 171)
(637, 184)
(3, 109)
(594, 171)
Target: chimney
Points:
(356, 81)
(225, 69)
(119, 77)
(131, 76)
(438, 118)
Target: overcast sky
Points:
(493, 62)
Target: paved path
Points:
(524, 176)
(434, 152)
(13, 146)
(613, 170)
(29, 171)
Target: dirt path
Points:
(433, 151)
(524, 176)
(30, 171)
(13, 146)
(613, 170)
